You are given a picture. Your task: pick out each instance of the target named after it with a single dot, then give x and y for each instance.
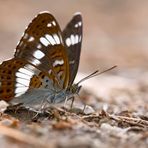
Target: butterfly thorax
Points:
(74, 89)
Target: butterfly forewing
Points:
(72, 36)
(42, 46)
(42, 54)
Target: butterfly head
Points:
(74, 89)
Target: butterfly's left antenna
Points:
(96, 73)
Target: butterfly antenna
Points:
(89, 76)
(96, 73)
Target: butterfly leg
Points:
(85, 105)
(34, 117)
(66, 99)
(43, 104)
(84, 108)
(72, 101)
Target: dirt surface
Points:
(116, 115)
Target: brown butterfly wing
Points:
(8, 71)
(43, 38)
(72, 36)
(43, 60)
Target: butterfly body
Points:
(34, 97)
(45, 62)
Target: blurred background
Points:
(115, 31)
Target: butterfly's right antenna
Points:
(95, 74)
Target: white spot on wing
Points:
(50, 39)
(56, 38)
(19, 85)
(76, 39)
(25, 36)
(21, 89)
(80, 38)
(39, 46)
(72, 39)
(49, 71)
(80, 23)
(76, 25)
(23, 81)
(30, 68)
(49, 25)
(44, 41)
(68, 42)
(54, 23)
(35, 62)
(31, 38)
(25, 71)
(21, 75)
(38, 54)
(58, 62)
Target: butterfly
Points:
(45, 62)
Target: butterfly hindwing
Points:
(17, 77)
(72, 36)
